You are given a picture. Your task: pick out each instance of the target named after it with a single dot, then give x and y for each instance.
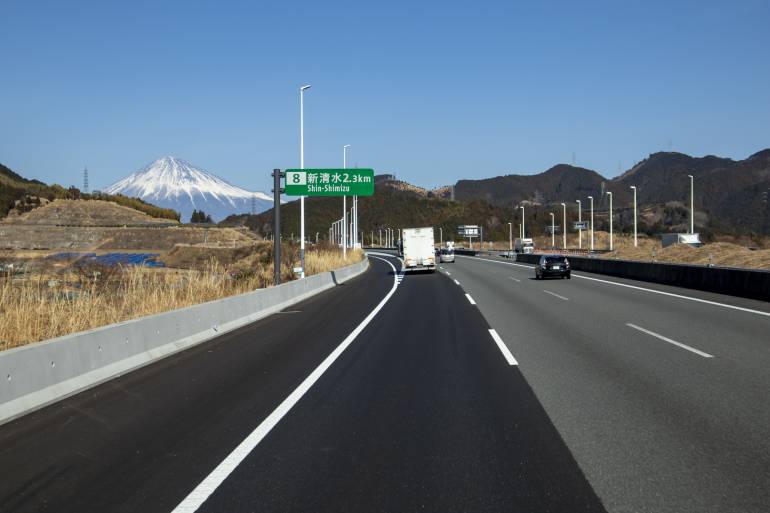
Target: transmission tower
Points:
(85, 180)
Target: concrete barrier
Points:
(749, 283)
(39, 374)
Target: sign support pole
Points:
(277, 226)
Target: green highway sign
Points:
(329, 182)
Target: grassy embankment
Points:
(49, 303)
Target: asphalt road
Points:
(379, 395)
(662, 398)
(391, 393)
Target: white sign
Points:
(296, 177)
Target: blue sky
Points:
(431, 91)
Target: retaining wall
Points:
(39, 374)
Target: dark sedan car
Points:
(552, 265)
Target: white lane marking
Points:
(457, 282)
(670, 341)
(448, 273)
(470, 299)
(514, 279)
(556, 295)
(503, 348)
(670, 294)
(201, 492)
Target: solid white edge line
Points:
(198, 496)
(503, 348)
(470, 299)
(457, 282)
(671, 294)
(666, 339)
(556, 295)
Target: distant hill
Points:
(65, 212)
(23, 195)
(391, 206)
(730, 196)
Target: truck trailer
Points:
(417, 246)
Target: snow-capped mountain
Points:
(174, 183)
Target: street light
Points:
(302, 166)
(692, 205)
(610, 195)
(580, 225)
(635, 242)
(564, 228)
(510, 237)
(441, 236)
(344, 203)
(592, 222)
(523, 231)
(553, 231)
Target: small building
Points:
(691, 239)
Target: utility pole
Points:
(692, 204)
(302, 166)
(609, 193)
(635, 242)
(564, 228)
(580, 225)
(592, 221)
(553, 231)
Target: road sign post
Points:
(277, 175)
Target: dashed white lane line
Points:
(210, 483)
(470, 299)
(503, 348)
(670, 341)
(556, 295)
(457, 282)
(448, 273)
(514, 279)
(670, 294)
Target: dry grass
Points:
(52, 302)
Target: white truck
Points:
(523, 246)
(417, 245)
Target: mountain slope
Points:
(174, 183)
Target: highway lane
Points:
(142, 441)
(654, 425)
(424, 412)
(421, 411)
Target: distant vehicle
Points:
(447, 255)
(417, 249)
(552, 265)
(691, 239)
(523, 246)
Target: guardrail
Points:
(749, 283)
(39, 374)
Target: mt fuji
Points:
(174, 183)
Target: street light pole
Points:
(592, 222)
(344, 203)
(441, 236)
(510, 237)
(564, 228)
(523, 231)
(302, 166)
(692, 205)
(635, 241)
(610, 195)
(580, 229)
(553, 231)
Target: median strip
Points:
(670, 341)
